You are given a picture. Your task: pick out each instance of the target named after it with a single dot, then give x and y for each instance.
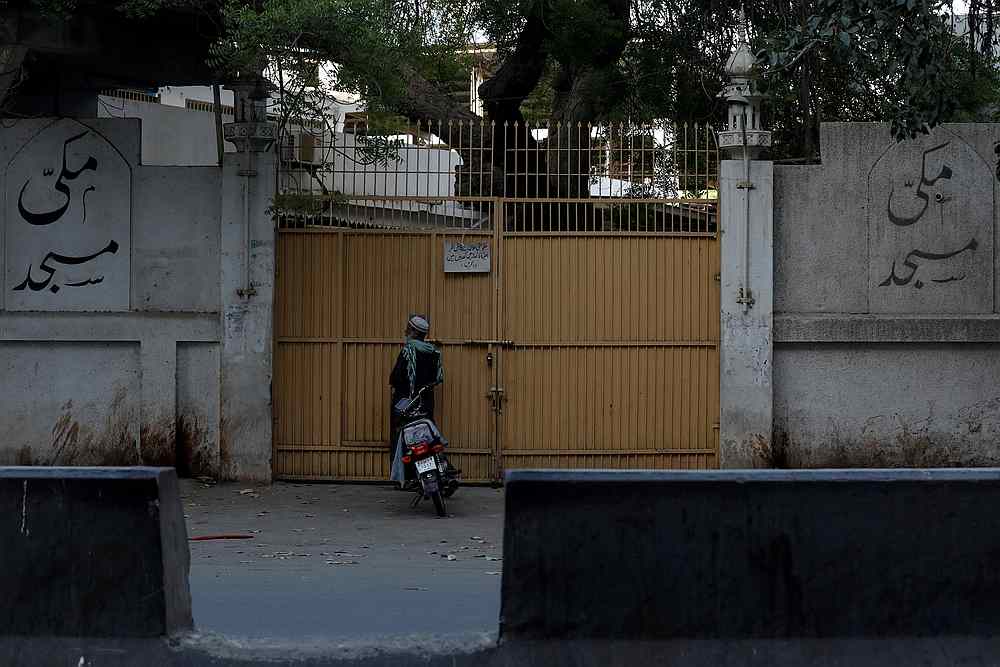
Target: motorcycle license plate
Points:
(426, 465)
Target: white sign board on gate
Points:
(466, 257)
(68, 222)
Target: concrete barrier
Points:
(92, 552)
(751, 554)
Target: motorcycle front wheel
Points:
(439, 503)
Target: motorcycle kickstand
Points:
(417, 499)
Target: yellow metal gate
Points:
(579, 349)
(341, 306)
(613, 360)
(591, 342)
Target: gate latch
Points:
(495, 394)
(497, 343)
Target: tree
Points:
(903, 60)
(598, 60)
(594, 60)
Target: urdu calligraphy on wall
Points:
(68, 221)
(930, 227)
(466, 257)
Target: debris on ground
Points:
(225, 536)
(290, 536)
(284, 555)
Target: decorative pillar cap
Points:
(743, 133)
(251, 132)
(250, 137)
(742, 60)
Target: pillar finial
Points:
(251, 131)
(743, 30)
(743, 132)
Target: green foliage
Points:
(974, 87)
(823, 60)
(367, 39)
(58, 9)
(137, 9)
(901, 54)
(146, 9)
(826, 60)
(305, 204)
(537, 108)
(589, 33)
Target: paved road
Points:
(330, 561)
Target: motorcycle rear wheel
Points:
(439, 503)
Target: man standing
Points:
(417, 366)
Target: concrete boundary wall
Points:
(886, 314)
(737, 555)
(437, 651)
(803, 328)
(93, 553)
(156, 350)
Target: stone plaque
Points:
(466, 257)
(68, 221)
(930, 228)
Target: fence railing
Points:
(554, 177)
(133, 95)
(199, 105)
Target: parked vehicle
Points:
(423, 450)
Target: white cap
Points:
(419, 324)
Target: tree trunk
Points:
(584, 92)
(11, 63)
(514, 81)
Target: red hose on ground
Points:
(233, 536)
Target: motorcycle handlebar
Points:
(417, 397)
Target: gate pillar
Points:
(247, 248)
(745, 340)
(747, 276)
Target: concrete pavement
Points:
(432, 651)
(326, 622)
(331, 561)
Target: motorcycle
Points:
(423, 452)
